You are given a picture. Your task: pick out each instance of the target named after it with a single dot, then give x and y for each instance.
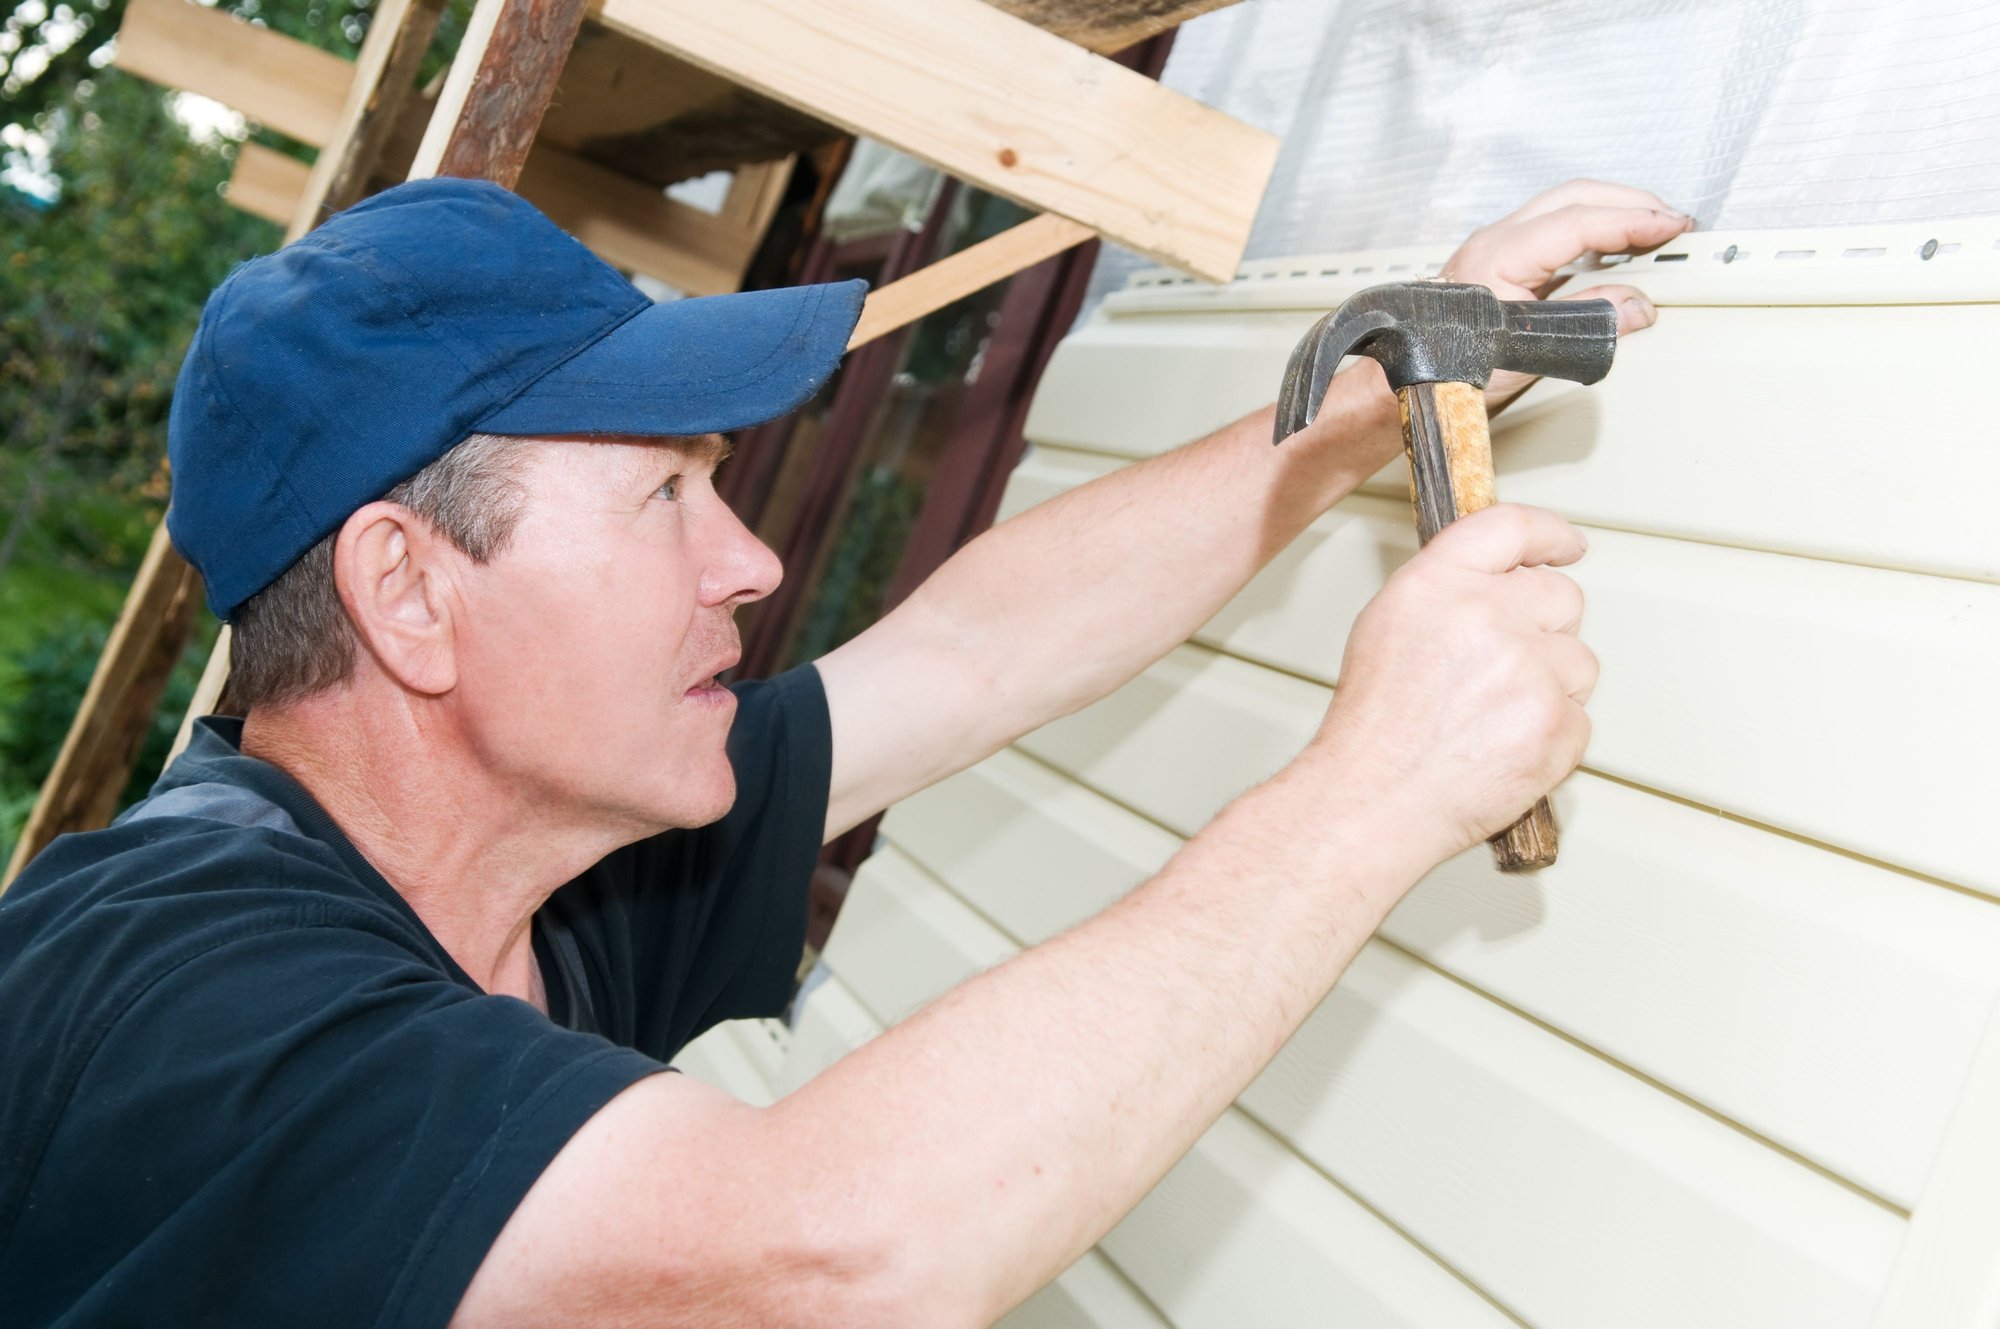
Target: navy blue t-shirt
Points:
(244, 1086)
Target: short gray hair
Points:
(293, 638)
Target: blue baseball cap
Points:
(325, 374)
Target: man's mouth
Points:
(710, 688)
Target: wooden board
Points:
(276, 81)
(958, 275)
(627, 225)
(1108, 26)
(638, 109)
(1697, 432)
(1827, 1005)
(1724, 670)
(639, 229)
(267, 183)
(1074, 134)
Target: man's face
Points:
(590, 644)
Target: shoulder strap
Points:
(215, 801)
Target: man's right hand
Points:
(1461, 694)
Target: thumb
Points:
(1508, 536)
(1635, 311)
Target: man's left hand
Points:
(1519, 255)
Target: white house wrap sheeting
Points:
(1414, 121)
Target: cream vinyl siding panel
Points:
(1947, 1274)
(1242, 1232)
(831, 1023)
(743, 1058)
(902, 941)
(1750, 682)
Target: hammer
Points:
(1439, 342)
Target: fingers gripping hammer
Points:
(1439, 342)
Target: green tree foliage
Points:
(113, 230)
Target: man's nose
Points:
(743, 568)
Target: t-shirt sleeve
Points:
(687, 929)
(304, 1125)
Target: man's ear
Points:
(397, 579)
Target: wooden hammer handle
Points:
(1451, 474)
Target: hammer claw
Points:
(1313, 360)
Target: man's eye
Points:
(671, 489)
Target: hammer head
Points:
(1447, 332)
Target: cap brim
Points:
(699, 366)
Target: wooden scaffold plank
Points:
(993, 259)
(285, 84)
(995, 101)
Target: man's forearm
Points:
(1066, 601)
(1008, 1126)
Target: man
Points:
(360, 1018)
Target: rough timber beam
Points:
(1108, 28)
(500, 84)
(995, 101)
